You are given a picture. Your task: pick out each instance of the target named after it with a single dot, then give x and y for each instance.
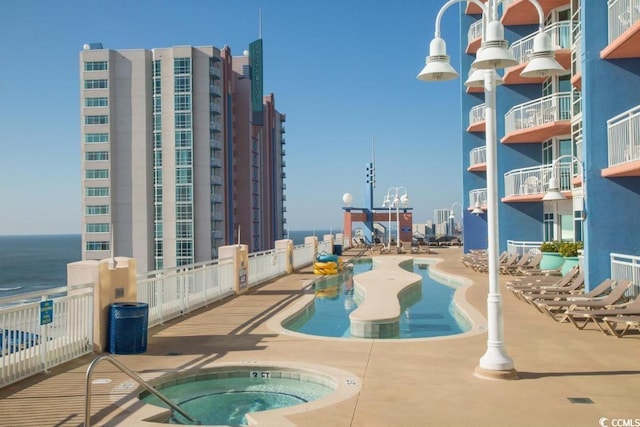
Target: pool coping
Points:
(478, 323)
(134, 410)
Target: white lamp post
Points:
(452, 217)
(553, 193)
(394, 198)
(493, 54)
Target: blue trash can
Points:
(337, 250)
(128, 326)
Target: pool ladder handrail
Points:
(132, 375)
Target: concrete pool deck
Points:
(418, 382)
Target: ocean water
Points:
(32, 263)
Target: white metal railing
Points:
(215, 107)
(560, 33)
(175, 292)
(478, 195)
(521, 248)
(215, 71)
(267, 265)
(28, 347)
(478, 156)
(548, 109)
(622, 15)
(535, 180)
(325, 246)
(626, 267)
(623, 135)
(302, 255)
(477, 114)
(475, 31)
(215, 142)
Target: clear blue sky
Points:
(342, 71)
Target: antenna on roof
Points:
(260, 23)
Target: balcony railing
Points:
(215, 143)
(216, 180)
(478, 195)
(623, 135)
(477, 115)
(215, 126)
(215, 90)
(475, 31)
(522, 248)
(215, 72)
(535, 180)
(622, 15)
(548, 109)
(215, 162)
(560, 33)
(478, 156)
(214, 107)
(626, 267)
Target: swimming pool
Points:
(427, 310)
(231, 395)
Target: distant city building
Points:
(181, 154)
(442, 222)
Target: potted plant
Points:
(569, 251)
(551, 258)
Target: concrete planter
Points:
(551, 261)
(569, 263)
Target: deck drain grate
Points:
(174, 353)
(579, 400)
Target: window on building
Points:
(97, 210)
(97, 246)
(96, 66)
(157, 68)
(184, 212)
(184, 176)
(548, 225)
(182, 84)
(184, 193)
(92, 138)
(183, 138)
(182, 66)
(102, 119)
(96, 173)
(100, 101)
(96, 191)
(96, 84)
(182, 102)
(184, 230)
(184, 157)
(157, 86)
(97, 228)
(183, 120)
(96, 156)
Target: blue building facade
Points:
(581, 127)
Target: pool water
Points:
(226, 401)
(428, 311)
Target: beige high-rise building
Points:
(171, 144)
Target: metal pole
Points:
(496, 357)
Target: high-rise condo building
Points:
(181, 154)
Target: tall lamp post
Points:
(493, 54)
(394, 199)
(452, 217)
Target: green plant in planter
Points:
(570, 249)
(550, 247)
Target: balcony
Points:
(522, 12)
(214, 107)
(215, 126)
(478, 160)
(474, 36)
(216, 198)
(216, 180)
(215, 72)
(215, 143)
(560, 33)
(215, 90)
(216, 163)
(532, 183)
(478, 195)
(623, 135)
(538, 120)
(473, 9)
(477, 119)
(624, 30)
